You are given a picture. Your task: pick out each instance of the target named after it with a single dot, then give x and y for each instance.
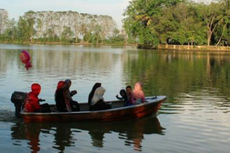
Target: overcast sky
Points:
(114, 8)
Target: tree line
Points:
(181, 22)
(65, 27)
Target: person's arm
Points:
(67, 100)
(35, 103)
(72, 93)
(119, 98)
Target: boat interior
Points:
(85, 106)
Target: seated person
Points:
(32, 102)
(124, 97)
(138, 94)
(59, 97)
(95, 86)
(97, 102)
(130, 95)
(71, 105)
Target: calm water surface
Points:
(194, 119)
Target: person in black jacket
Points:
(59, 97)
(63, 97)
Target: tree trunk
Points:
(209, 37)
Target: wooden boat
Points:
(118, 112)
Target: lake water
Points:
(195, 118)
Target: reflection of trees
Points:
(173, 72)
(162, 72)
(73, 62)
(61, 61)
(7, 59)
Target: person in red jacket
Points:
(32, 103)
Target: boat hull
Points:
(114, 114)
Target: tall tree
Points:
(29, 17)
(23, 34)
(3, 20)
(140, 14)
(11, 31)
(222, 36)
(211, 16)
(67, 34)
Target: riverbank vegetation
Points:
(148, 23)
(179, 22)
(59, 27)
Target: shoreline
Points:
(62, 43)
(138, 46)
(193, 48)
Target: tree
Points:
(212, 17)
(107, 26)
(3, 20)
(23, 34)
(140, 17)
(11, 31)
(67, 34)
(222, 36)
(29, 18)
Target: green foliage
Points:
(181, 21)
(67, 34)
(62, 27)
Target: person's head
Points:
(138, 86)
(96, 85)
(100, 91)
(91, 94)
(98, 94)
(36, 88)
(128, 89)
(68, 82)
(60, 84)
(122, 92)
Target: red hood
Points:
(36, 89)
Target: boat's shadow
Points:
(131, 132)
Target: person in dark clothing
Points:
(123, 97)
(59, 97)
(97, 102)
(96, 85)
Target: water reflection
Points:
(175, 72)
(63, 138)
(131, 132)
(135, 132)
(51, 60)
(83, 65)
(196, 112)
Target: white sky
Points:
(114, 8)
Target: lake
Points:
(195, 118)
